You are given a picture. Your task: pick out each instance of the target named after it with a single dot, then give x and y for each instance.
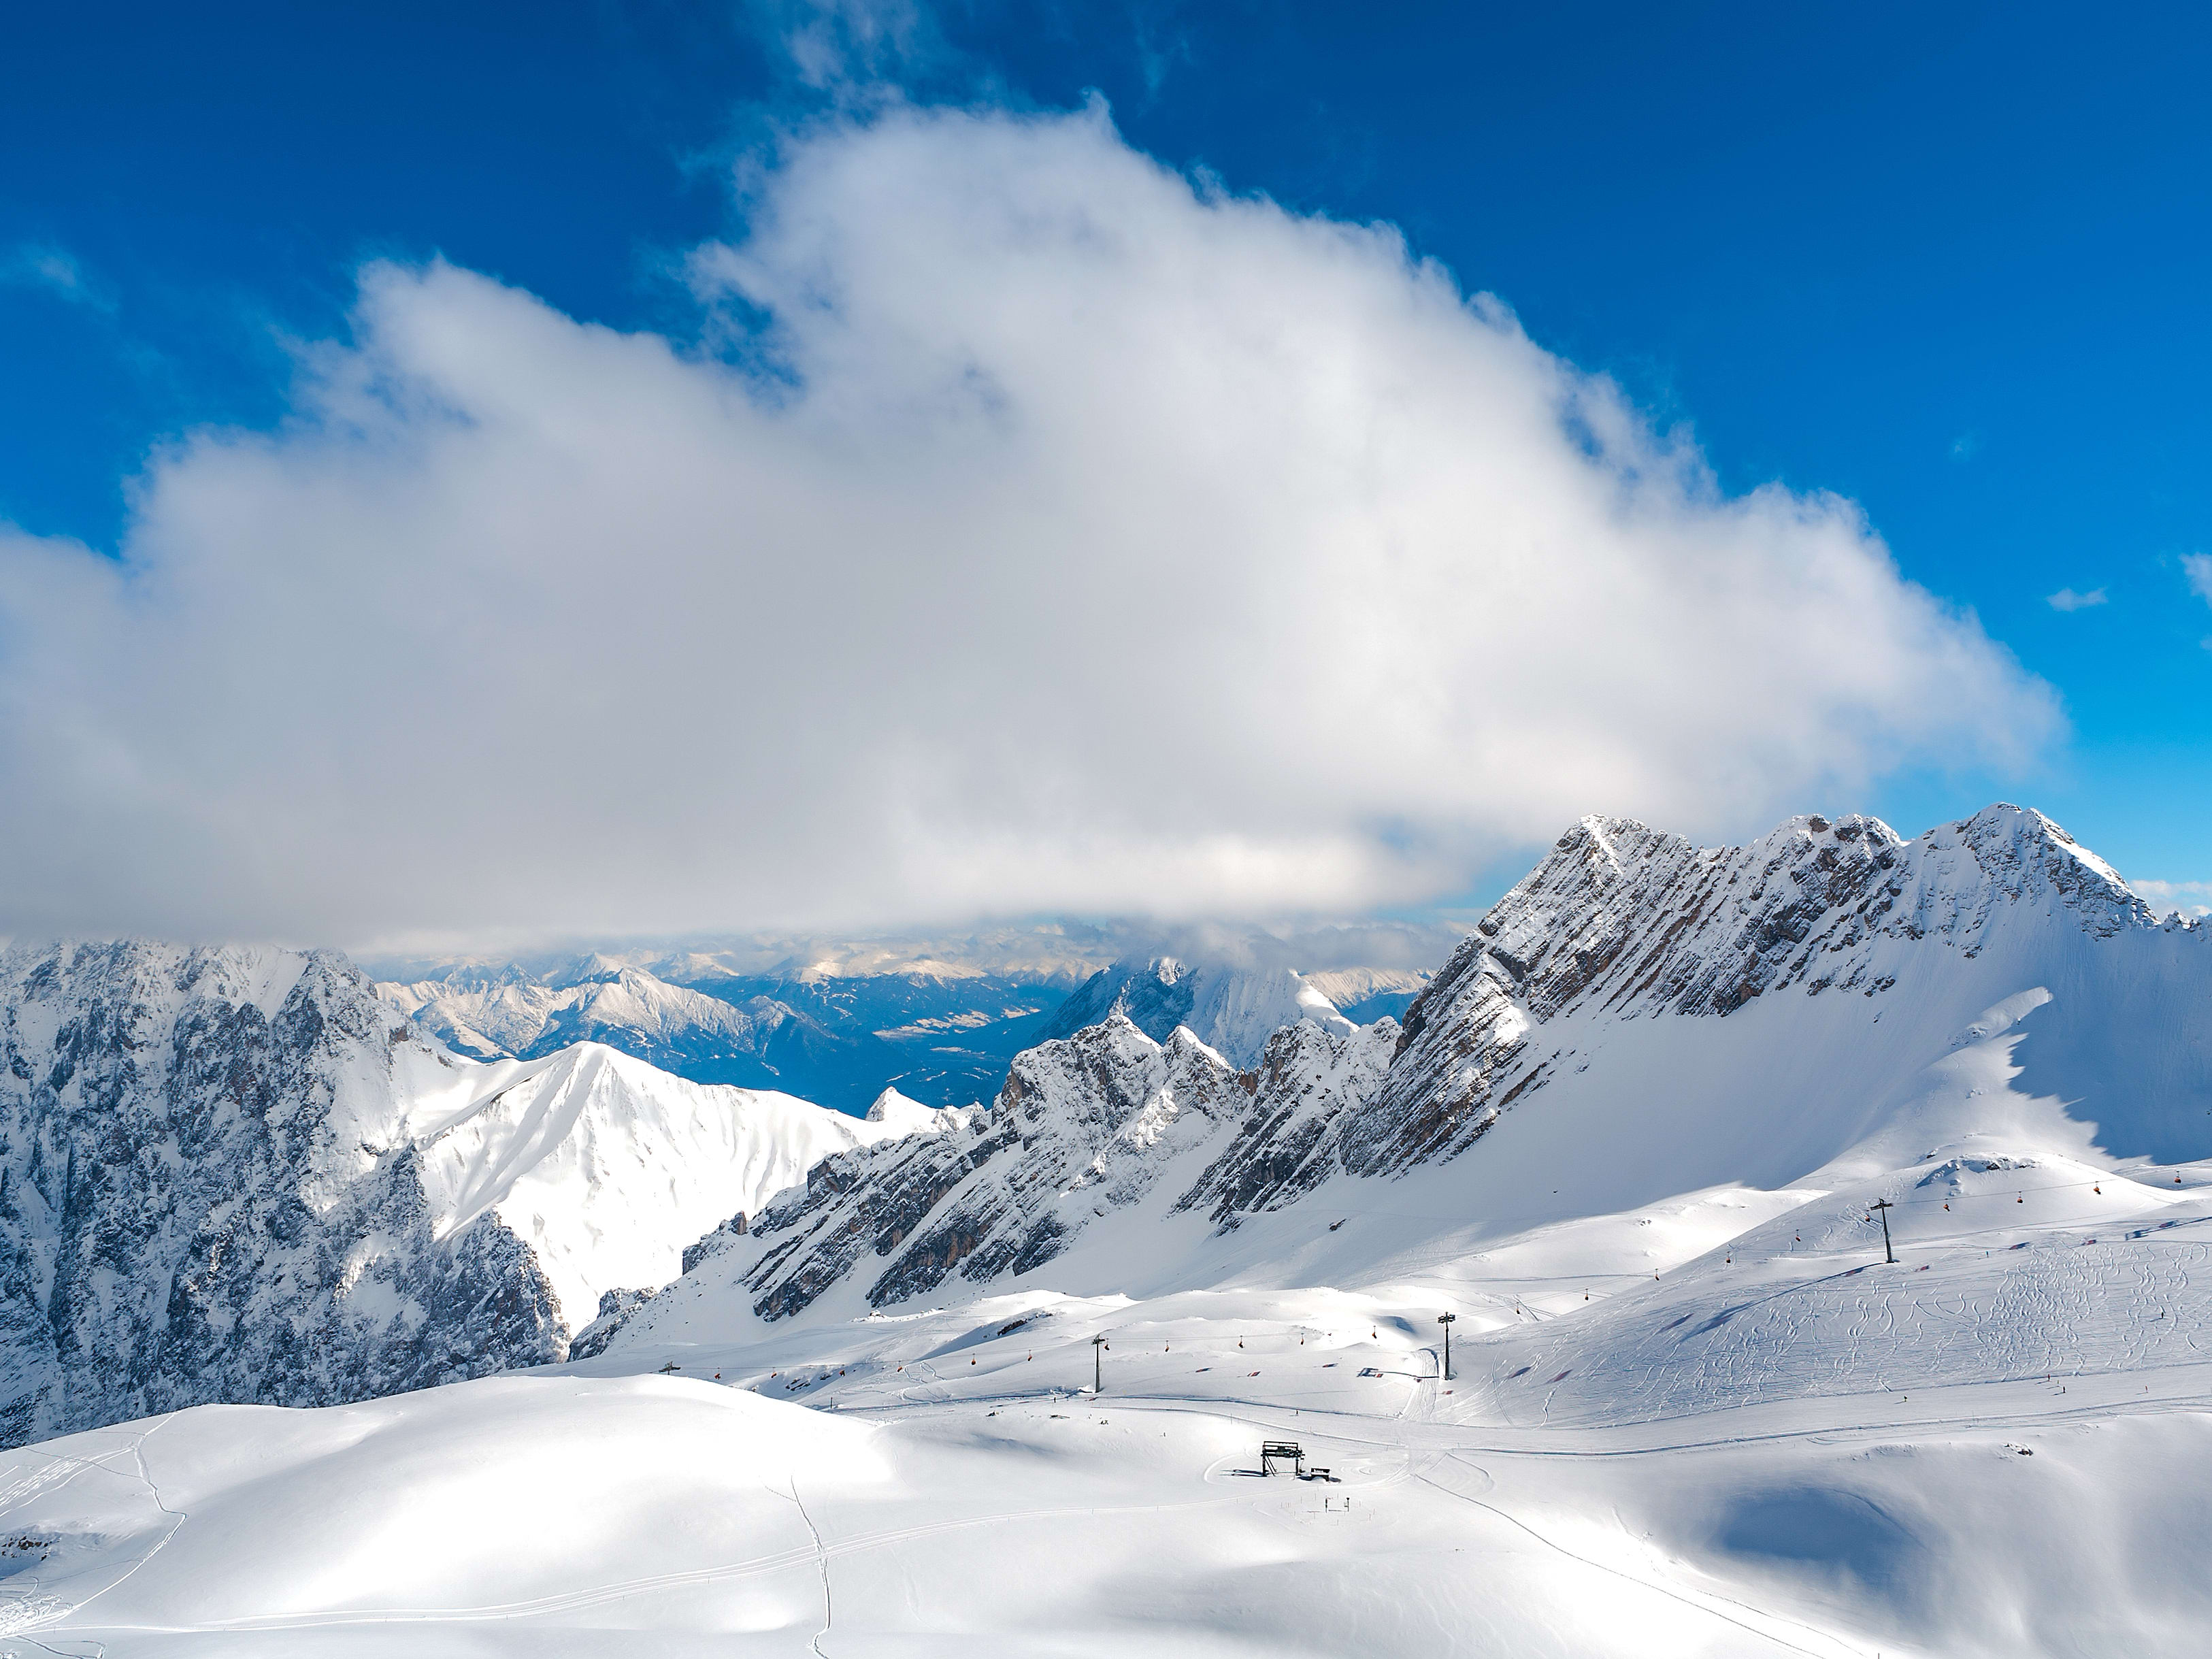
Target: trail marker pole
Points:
(1882, 1206)
(1097, 1366)
(1445, 1320)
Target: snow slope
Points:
(1894, 1476)
(606, 1168)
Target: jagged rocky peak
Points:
(1612, 884)
(1233, 1001)
(1110, 1081)
(1644, 922)
(1105, 1123)
(1623, 920)
(197, 1147)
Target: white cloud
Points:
(2066, 599)
(1073, 537)
(2197, 568)
(2189, 898)
(851, 44)
(56, 269)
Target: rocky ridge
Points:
(1629, 922)
(1618, 923)
(1086, 1126)
(1234, 1006)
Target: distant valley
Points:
(939, 1019)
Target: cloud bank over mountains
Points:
(1036, 527)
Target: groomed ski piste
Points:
(1755, 1437)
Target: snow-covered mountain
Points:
(1364, 995)
(496, 1013)
(1638, 1019)
(1233, 988)
(504, 1010)
(1774, 1006)
(840, 1038)
(938, 1018)
(1062, 953)
(1231, 1006)
(1631, 1141)
(236, 1173)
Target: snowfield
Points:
(1795, 1450)
(1638, 1138)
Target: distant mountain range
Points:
(939, 1018)
(1236, 1002)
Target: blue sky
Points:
(1949, 263)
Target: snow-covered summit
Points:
(1622, 923)
(507, 1010)
(234, 1173)
(504, 1012)
(896, 1113)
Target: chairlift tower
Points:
(1445, 1320)
(1098, 1365)
(1881, 1207)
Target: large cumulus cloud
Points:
(1041, 529)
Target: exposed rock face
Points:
(1628, 921)
(235, 1175)
(204, 1194)
(1084, 1126)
